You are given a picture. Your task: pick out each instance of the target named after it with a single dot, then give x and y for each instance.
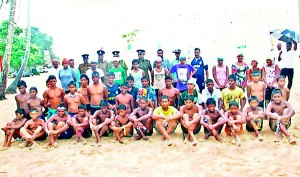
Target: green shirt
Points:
(122, 64)
(120, 75)
(185, 93)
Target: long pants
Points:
(289, 72)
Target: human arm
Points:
(295, 45)
(62, 94)
(152, 77)
(88, 93)
(74, 75)
(214, 73)
(159, 95)
(248, 90)
(17, 101)
(17, 126)
(147, 116)
(45, 95)
(287, 94)
(66, 101)
(227, 74)
(82, 99)
(105, 93)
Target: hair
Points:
(135, 61)
(144, 98)
(189, 97)
(103, 103)
(71, 59)
(210, 101)
(232, 77)
(72, 83)
(280, 77)
(145, 77)
(21, 83)
(209, 81)
(233, 103)
(168, 77)
(253, 98)
(111, 74)
(20, 111)
(165, 97)
(47, 81)
(82, 106)
(275, 91)
(121, 107)
(51, 77)
(130, 78)
(159, 50)
(125, 84)
(34, 110)
(86, 77)
(33, 88)
(197, 49)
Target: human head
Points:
(100, 54)
(19, 113)
(240, 57)
(233, 106)
(72, 86)
(210, 84)
(197, 52)
(121, 110)
(254, 63)
(85, 58)
(34, 113)
(84, 80)
(276, 95)
(281, 81)
(115, 61)
(143, 102)
(71, 63)
(130, 81)
(253, 102)
(124, 88)
(145, 81)
(269, 61)
(182, 60)
(158, 62)
(65, 63)
(288, 46)
(220, 61)
(111, 77)
(211, 104)
(141, 53)
(232, 81)
(55, 63)
(168, 81)
(189, 101)
(94, 64)
(135, 63)
(160, 53)
(177, 53)
(22, 86)
(256, 75)
(52, 81)
(82, 109)
(33, 91)
(95, 77)
(61, 110)
(164, 101)
(103, 106)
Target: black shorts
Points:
(185, 131)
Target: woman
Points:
(240, 69)
(220, 74)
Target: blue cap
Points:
(115, 53)
(100, 52)
(95, 73)
(140, 51)
(85, 56)
(176, 51)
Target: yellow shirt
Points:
(168, 113)
(230, 95)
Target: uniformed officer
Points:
(144, 64)
(122, 63)
(83, 67)
(103, 65)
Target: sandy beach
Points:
(154, 157)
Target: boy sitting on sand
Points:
(80, 123)
(190, 121)
(280, 113)
(33, 130)
(141, 119)
(12, 129)
(235, 122)
(100, 121)
(212, 120)
(254, 117)
(121, 125)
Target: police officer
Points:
(83, 67)
(103, 65)
(144, 64)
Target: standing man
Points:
(122, 63)
(71, 64)
(54, 71)
(94, 68)
(177, 56)
(103, 65)
(198, 64)
(165, 61)
(144, 63)
(83, 67)
(66, 75)
(287, 59)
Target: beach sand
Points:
(154, 157)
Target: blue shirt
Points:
(66, 76)
(112, 91)
(134, 92)
(199, 65)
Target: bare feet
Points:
(194, 143)
(260, 138)
(145, 138)
(138, 137)
(34, 144)
(206, 136)
(4, 148)
(292, 141)
(169, 143)
(23, 145)
(238, 141)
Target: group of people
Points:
(106, 98)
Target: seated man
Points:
(166, 118)
(190, 121)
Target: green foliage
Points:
(129, 37)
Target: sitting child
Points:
(12, 129)
(254, 117)
(121, 125)
(280, 113)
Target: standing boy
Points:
(170, 91)
(22, 98)
(125, 98)
(257, 88)
(35, 102)
(281, 85)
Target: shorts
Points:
(67, 134)
(166, 127)
(42, 138)
(273, 125)
(42, 117)
(72, 114)
(228, 130)
(94, 109)
(249, 127)
(197, 129)
(87, 133)
(130, 134)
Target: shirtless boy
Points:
(235, 121)
(100, 121)
(80, 123)
(121, 125)
(213, 120)
(281, 85)
(141, 119)
(190, 121)
(280, 113)
(33, 130)
(56, 125)
(143, 93)
(96, 92)
(166, 118)
(84, 82)
(170, 91)
(53, 96)
(35, 102)
(254, 117)
(125, 98)
(22, 98)
(257, 88)
(73, 99)
(12, 129)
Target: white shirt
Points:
(288, 58)
(89, 73)
(216, 95)
(53, 71)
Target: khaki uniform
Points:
(104, 67)
(146, 66)
(84, 67)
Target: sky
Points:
(217, 27)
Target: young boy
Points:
(143, 93)
(113, 90)
(141, 119)
(56, 125)
(35, 102)
(84, 82)
(212, 120)
(190, 121)
(281, 85)
(235, 121)
(280, 113)
(80, 123)
(22, 98)
(151, 95)
(33, 130)
(211, 92)
(132, 90)
(73, 99)
(125, 98)
(257, 88)
(100, 121)
(254, 117)
(12, 129)
(170, 91)
(121, 125)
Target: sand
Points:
(154, 157)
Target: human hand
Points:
(211, 127)
(99, 126)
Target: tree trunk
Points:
(7, 54)
(13, 86)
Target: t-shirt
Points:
(134, 92)
(197, 97)
(66, 76)
(230, 95)
(53, 71)
(169, 112)
(182, 73)
(137, 78)
(200, 66)
(120, 75)
(151, 94)
(288, 58)
(90, 72)
(216, 95)
(112, 92)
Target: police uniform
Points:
(122, 63)
(144, 64)
(103, 65)
(84, 67)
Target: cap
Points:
(176, 51)
(182, 58)
(240, 54)
(65, 61)
(100, 52)
(85, 56)
(158, 59)
(95, 74)
(220, 58)
(115, 59)
(256, 73)
(140, 51)
(115, 53)
(192, 81)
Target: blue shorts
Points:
(67, 134)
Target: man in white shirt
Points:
(94, 68)
(286, 59)
(54, 71)
(211, 92)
